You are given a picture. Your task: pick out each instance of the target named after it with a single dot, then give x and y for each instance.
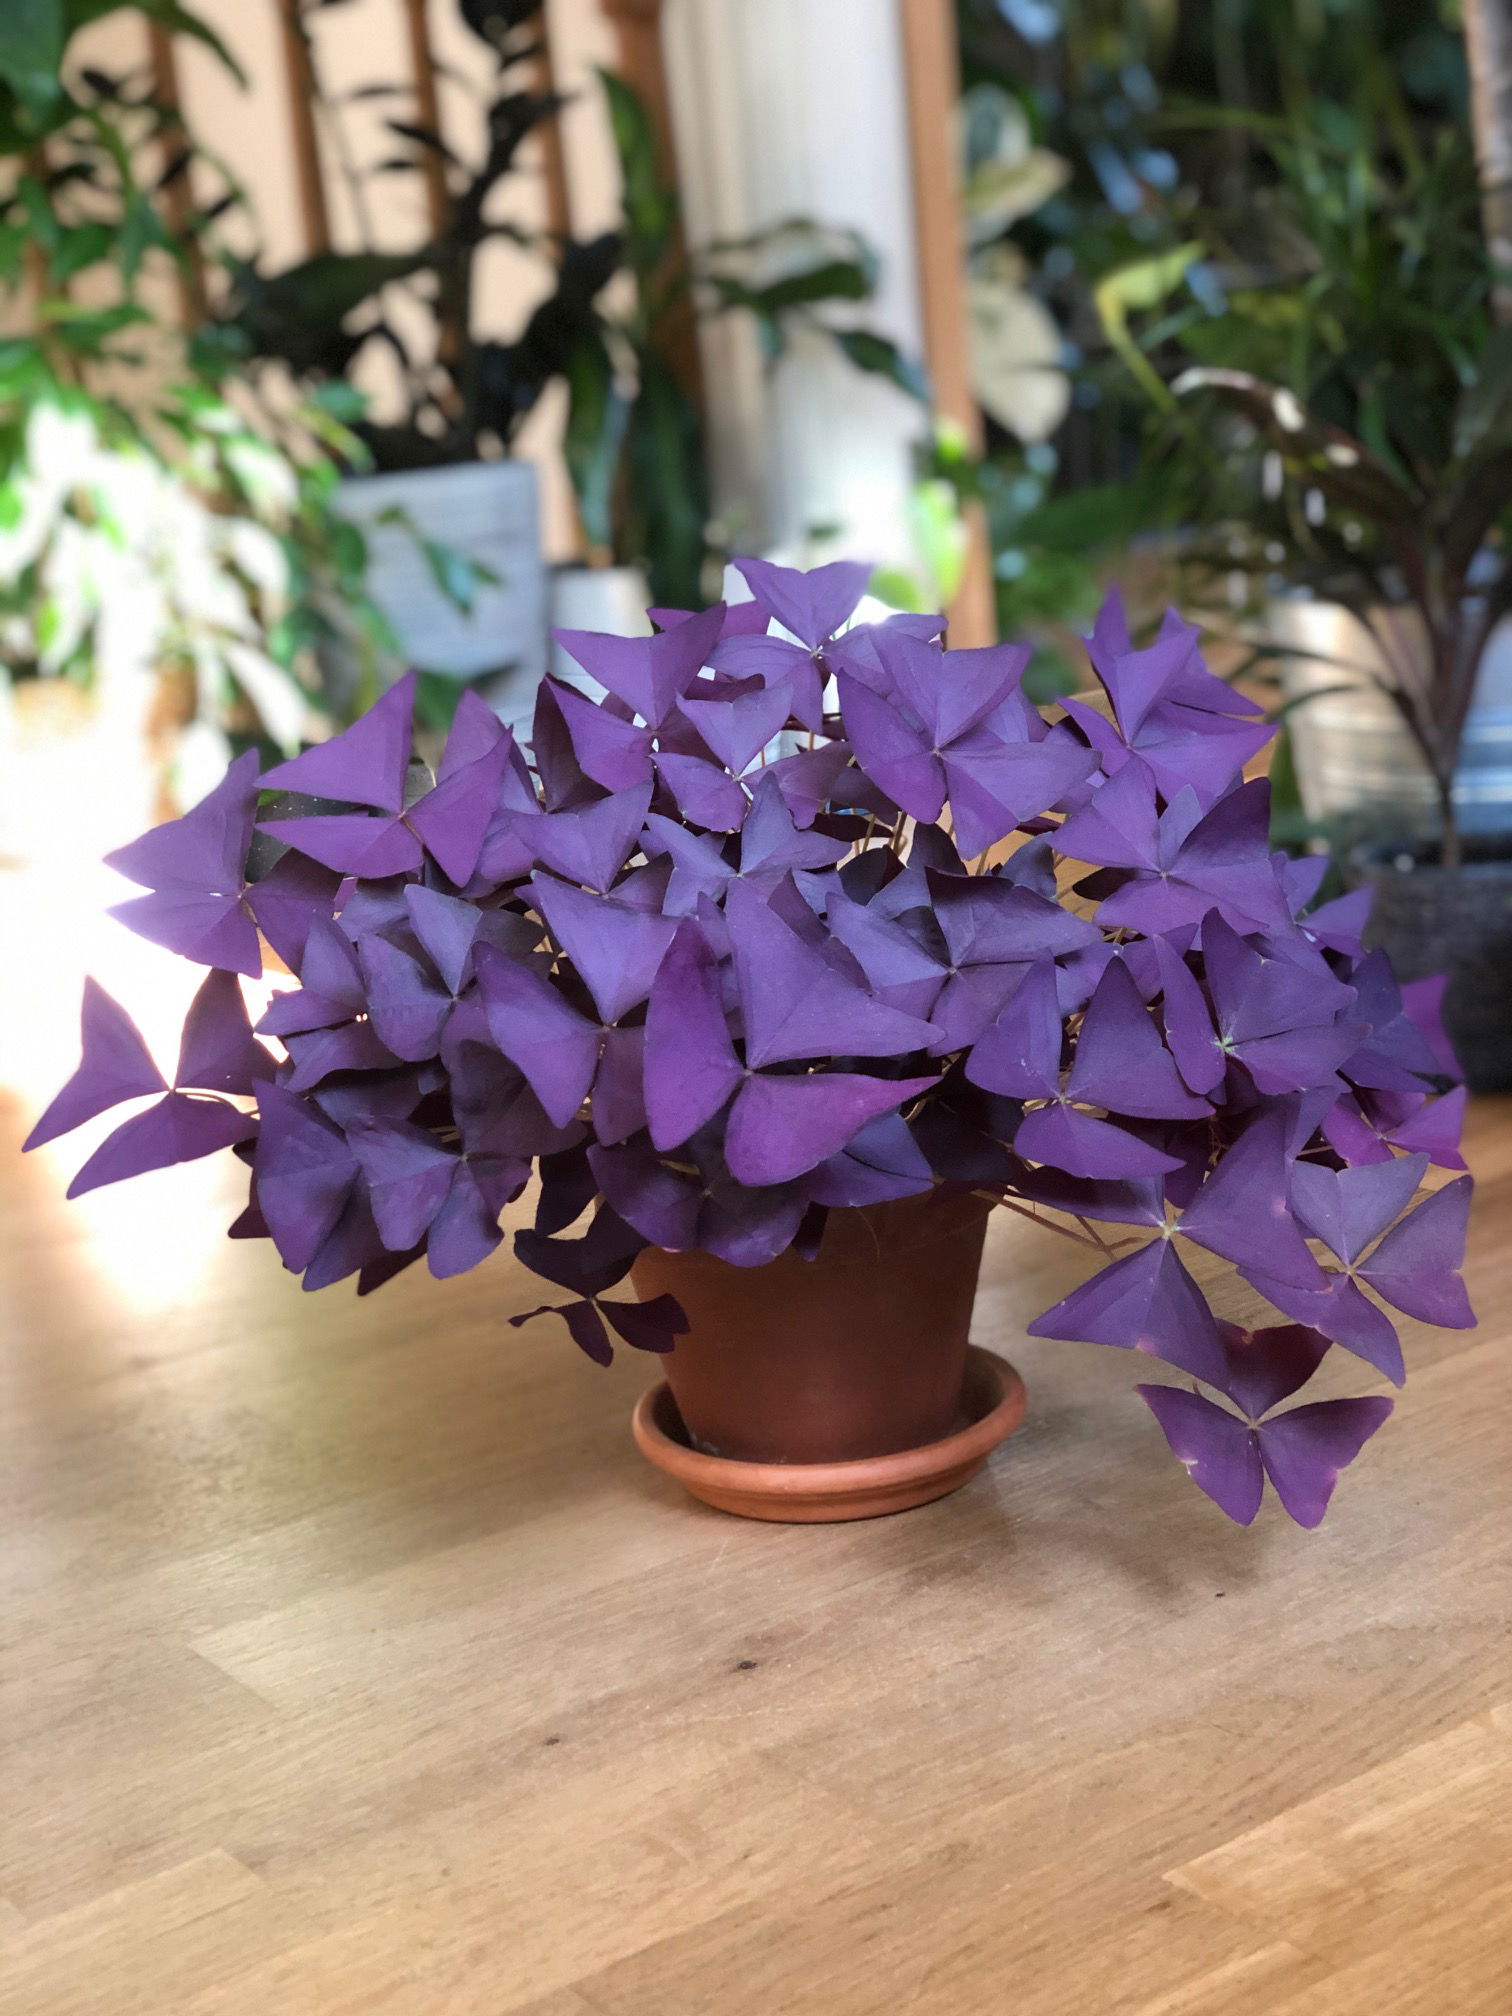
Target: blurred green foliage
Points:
(1167, 235)
(123, 441)
(635, 443)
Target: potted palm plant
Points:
(780, 966)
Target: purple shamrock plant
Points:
(800, 914)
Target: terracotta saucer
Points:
(811, 1493)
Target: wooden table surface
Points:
(353, 1662)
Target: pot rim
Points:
(1379, 860)
(858, 1489)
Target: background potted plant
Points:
(449, 517)
(168, 556)
(634, 440)
(737, 963)
(1346, 323)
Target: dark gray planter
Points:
(1456, 921)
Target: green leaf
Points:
(340, 400)
(650, 206)
(1143, 285)
(878, 354)
(79, 246)
(169, 14)
(89, 330)
(830, 280)
(666, 494)
(140, 230)
(898, 589)
(32, 35)
(1331, 461)
(1484, 415)
(457, 576)
(14, 239)
(598, 416)
(940, 532)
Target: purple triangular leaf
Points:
(553, 1045)
(447, 928)
(176, 1129)
(206, 850)
(1189, 1028)
(1243, 1212)
(1221, 1454)
(812, 604)
(1347, 1208)
(366, 764)
(287, 901)
(210, 930)
(794, 1002)
(1120, 1061)
(115, 1065)
(409, 1177)
(691, 1066)
(407, 1005)
(781, 1127)
(1267, 1366)
(616, 949)
(1305, 1449)
(704, 794)
(647, 1326)
(598, 1261)
(453, 818)
(591, 843)
(218, 1052)
(1020, 1055)
(352, 843)
(1341, 1311)
(1147, 1301)
(1085, 1146)
(1415, 1267)
(466, 1228)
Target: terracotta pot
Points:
(854, 1358)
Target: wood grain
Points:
(351, 1662)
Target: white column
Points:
(790, 108)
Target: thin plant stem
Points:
(1050, 1224)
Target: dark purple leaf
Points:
(691, 1066)
(647, 1326)
(554, 1046)
(649, 673)
(795, 1004)
(1120, 1061)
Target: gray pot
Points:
(487, 513)
(1354, 758)
(1456, 921)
